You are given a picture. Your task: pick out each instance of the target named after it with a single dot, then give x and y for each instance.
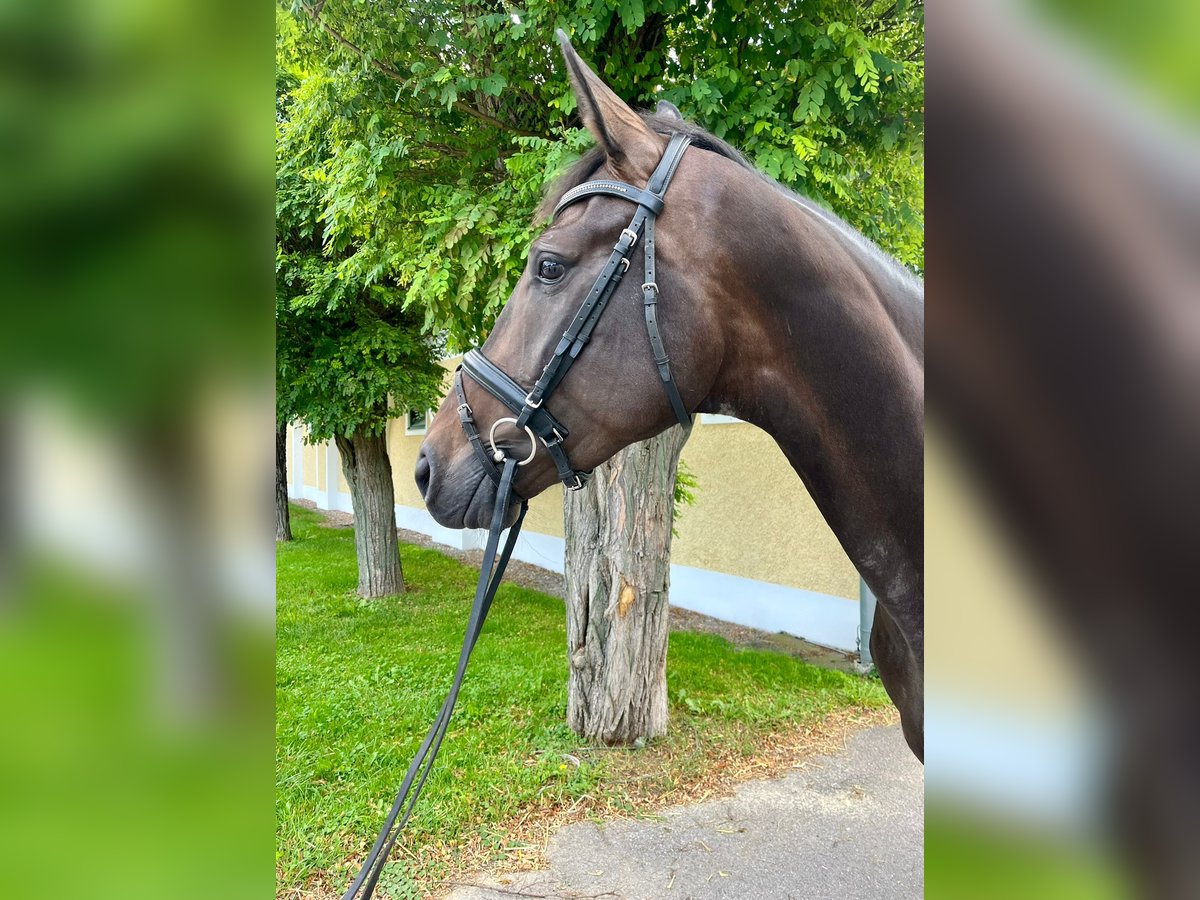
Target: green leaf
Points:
(493, 85)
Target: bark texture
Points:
(368, 471)
(283, 517)
(618, 564)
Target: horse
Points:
(771, 308)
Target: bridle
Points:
(530, 414)
(529, 407)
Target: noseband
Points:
(528, 406)
(531, 415)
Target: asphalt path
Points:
(850, 825)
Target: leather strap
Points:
(641, 227)
(466, 419)
(549, 430)
(496, 382)
(579, 332)
(661, 360)
(530, 411)
(619, 189)
(529, 407)
(363, 886)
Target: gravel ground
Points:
(549, 582)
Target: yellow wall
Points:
(403, 449)
(545, 514)
(310, 465)
(981, 585)
(752, 517)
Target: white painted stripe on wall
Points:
(297, 448)
(420, 520)
(816, 617)
(820, 618)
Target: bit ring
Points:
(498, 455)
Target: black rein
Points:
(531, 415)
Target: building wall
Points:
(310, 462)
(753, 516)
(752, 549)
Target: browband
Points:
(620, 189)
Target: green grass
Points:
(358, 683)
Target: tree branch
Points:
(314, 13)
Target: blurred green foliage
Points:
(442, 124)
(1152, 44)
(134, 192)
(971, 858)
(135, 230)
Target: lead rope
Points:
(364, 883)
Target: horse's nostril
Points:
(424, 473)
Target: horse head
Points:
(613, 395)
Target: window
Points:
(415, 421)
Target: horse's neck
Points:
(831, 365)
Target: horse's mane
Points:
(587, 165)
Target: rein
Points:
(531, 416)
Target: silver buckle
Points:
(648, 285)
(633, 238)
(625, 263)
(531, 404)
(465, 406)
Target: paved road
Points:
(844, 826)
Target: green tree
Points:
(347, 351)
(447, 121)
(443, 122)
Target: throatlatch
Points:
(531, 416)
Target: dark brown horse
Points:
(772, 310)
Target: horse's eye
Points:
(551, 270)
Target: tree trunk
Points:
(368, 471)
(618, 565)
(283, 517)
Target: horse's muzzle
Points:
(458, 495)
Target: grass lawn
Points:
(358, 683)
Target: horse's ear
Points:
(632, 148)
(668, 110)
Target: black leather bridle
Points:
(531, 415)
(529, 407)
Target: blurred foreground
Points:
(136, 623)
(1064, 363)
(136, 421)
